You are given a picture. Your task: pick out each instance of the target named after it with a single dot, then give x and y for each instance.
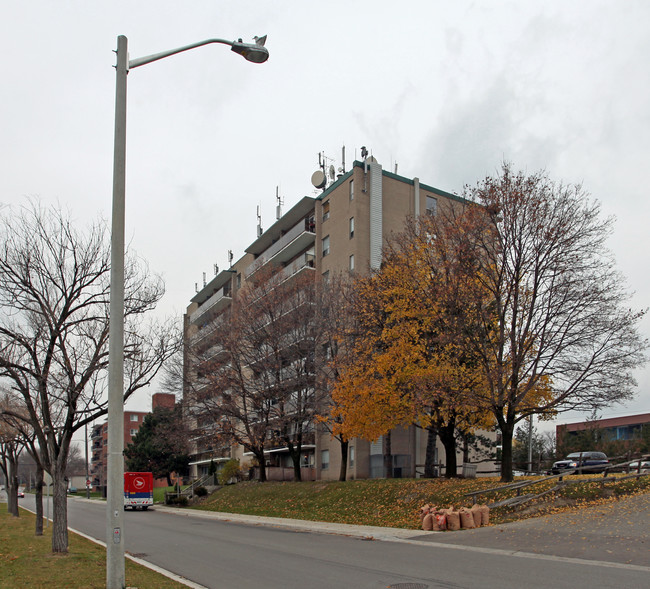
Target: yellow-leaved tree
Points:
(406, 366)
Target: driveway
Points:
(611, 532)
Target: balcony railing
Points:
(222, 296)
(275, 444)
(305, 261)
(302, 234)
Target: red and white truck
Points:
(138, 490)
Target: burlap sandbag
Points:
(466, 519)
(453, 520)
(476, 513)
(440, 524)
(427, 522)
(485, 515)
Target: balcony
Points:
(304, 261)
(205, 456)
(277, 445)
(218, 301)
(297, 239)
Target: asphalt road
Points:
(227, 554)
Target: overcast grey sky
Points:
(445, 90)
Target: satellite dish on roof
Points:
(318, 179)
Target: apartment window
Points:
(351, 262)
(133, 432)
(238, 281)
(351, 189)
(432, 205)
(134, 418)
(351, 462)
(326, 210)
(325, 459)
(326, 276)
(326, 245)
(351, 227)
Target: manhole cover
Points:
(408, 586)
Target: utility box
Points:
(138, 490)
(469, 471)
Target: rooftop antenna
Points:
(204, 281)
(364, 156)
(216, 269)
(230, 256)
(396, 167)
(196, 287)
(280, 201)
(259, 222)
(343, 160)
(319, 177)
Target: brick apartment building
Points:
(99, 438)
(342, 229)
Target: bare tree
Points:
(255, 377)
(54, 303)
(549, 320)
(12, 445)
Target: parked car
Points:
(72, 490)
(587, 461)
(645, 466)
(21, 493)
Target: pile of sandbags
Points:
(435, 519)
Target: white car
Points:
(645, 466)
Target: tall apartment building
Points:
(342, 229)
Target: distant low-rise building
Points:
(610, 429)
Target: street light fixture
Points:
(254, 52)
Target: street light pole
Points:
(115, 577)
(254, 52)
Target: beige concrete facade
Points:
(343, 229)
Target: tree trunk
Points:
(430, 456)
(294, 452)
(388, 457)
(507, 429)
(343, 473)
(59, 513)
(12, 489)
(449, 442)
(38, 528)
(465, 448)
(262, 464)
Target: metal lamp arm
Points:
(156, 56)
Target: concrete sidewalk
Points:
(369, 532)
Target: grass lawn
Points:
(27, 561)
(396, 502)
